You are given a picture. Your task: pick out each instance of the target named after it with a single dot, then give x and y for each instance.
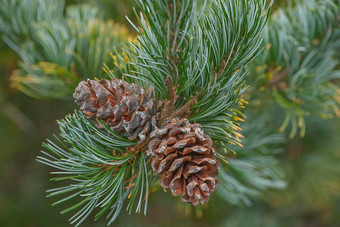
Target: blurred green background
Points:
(311, 164)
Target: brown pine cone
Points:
(185, 159)
(126, 108)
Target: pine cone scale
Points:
(185, 160)
(178, 162)
(126, 108)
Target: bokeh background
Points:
(312, 167)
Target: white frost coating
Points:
(180, 145)
(142, 114)
(161, 149)
(185, 129)
(199, 132)
(200, 149)
(141, 136)
(149, 153)
(186, 122)
(158, 133)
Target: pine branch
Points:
(225, 51)
(170, 104)
(185, 109)
(98, 169)
(201, 52)
(195, 60)
(19, 17)
(300, 62)
(254, 170)
(79, 41)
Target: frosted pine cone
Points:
(126, 108)
(185, 159)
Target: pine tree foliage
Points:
(254, 169)
(116, 9)
(101, 172)
(56, 50)
(194, 59)
(300, 62)
(204, 63)
(18, 17)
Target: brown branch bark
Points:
(186, 108)
(169, 104)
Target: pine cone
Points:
(126, 108)
(185, 159)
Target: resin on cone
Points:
(126, 108)
(185, 160)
